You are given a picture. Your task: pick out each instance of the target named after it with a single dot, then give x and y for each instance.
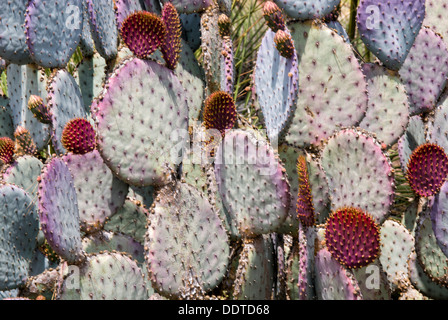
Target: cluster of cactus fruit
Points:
(134, 175)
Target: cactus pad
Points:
(19, 235)
(306, 9)
(427, 169)
(13, 45)
(276, 83)
(389, 28)
(53, 31)
(332, 91)
(245, 155)
(359, 173)
(425, 70)
(58, 211)
(185, 238)
(141, 154)
(188, 6)
(104, 276)
(99, 193)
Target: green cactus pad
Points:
(191, 75)
(91, 75)
(13, 45)
(58, 211)
(112, 241)
(388, 111)
(211, 49)
(255, 273)
(24, 81)
(429, 255)
(437, 126)
(100, 194)
(359, 173)
(423, 282)
(130, 219)
(20, 226)
(425, 70)
(333, 281)
(396, 246)
(103, 27)
(372, 281)
(252, 182)
(332, 90)
(142, 153)
(23, 172)
(6, 127)
(103, 276)
(53, 31)
(185, 238)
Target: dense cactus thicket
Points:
(146, 154)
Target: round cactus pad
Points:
(135, 134)
(104, 276)
(53, 31)
(58, 210)
(389, 28)
(252, 182)
(332, 89)
(13, 45)
(359, 173)
(185, 236)
(100, 194)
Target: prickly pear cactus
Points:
(223, 150)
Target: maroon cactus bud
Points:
(219, 112)
(284, 44)
(352, 237)
(273, 16)
(24, 143)
(40, 111)
(78, 136)
(224, 25)
(305, 207)
(143, 33)
(171, 46)
(6, 150)
(427, 169)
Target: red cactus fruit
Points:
(284, 44)
(143, 33)
(427, 169)
(78, 136)
(305, 207)
(171, 46)
(6, 150)
(273, 16)
(352, 237)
